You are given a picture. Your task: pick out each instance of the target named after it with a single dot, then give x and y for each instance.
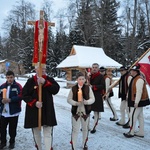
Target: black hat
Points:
(122, 68)
(136, 67)
(102, 69)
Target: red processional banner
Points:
(145, 66)
(36, 43)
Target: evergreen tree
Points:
(142, 36)
(25, 54)
(111, 31)
(57, 53)
(1, 48)
(84, 25)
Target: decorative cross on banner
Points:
(40, 50)
(40, 39)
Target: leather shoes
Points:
(93, 131)
(2, 145)
(12, 145)
(113, 119)
(117, 123)
(85, 148)
(126, 126)
(128, 135)
(142, 136)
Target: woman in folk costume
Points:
(97, 83)
(80, 97)
(137, 99)
(108, 81)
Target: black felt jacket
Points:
(30, 96)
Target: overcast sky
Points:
(7, 5)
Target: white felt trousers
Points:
(77, 121)
(136, 114)
(47, 134)
(111, 106)
(124, 109)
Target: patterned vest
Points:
(132, 93)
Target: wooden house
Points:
(16, 67)
(81, 59)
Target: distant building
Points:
(16, 67)
(81, 59)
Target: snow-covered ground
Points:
(109, 136)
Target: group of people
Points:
(133, 94)
(89, 94)
(10, 108)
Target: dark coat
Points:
(98, 86)
(15, 94)
(30, 96)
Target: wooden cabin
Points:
(16, 67)
(81, 59)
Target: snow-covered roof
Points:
(1, 61)
(85, 56)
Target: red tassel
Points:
(71, 142)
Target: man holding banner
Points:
(137, 99)
(39, 90)
(30, 96)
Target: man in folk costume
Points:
(97, 83)
(122, 93)
(47, 87)
(137, 99)
(30, 96)
(80, 97)
(108, 81)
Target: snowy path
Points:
(109, 136)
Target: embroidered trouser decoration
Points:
(84, 116)
(76, 117)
